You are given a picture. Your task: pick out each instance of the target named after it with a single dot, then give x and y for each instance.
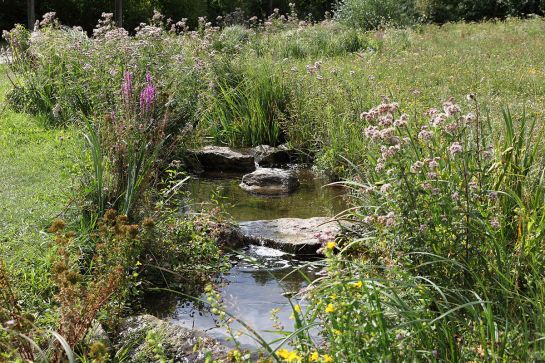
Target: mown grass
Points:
(36, 177)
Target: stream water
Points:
(260, 277)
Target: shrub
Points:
(457, 206)
(442, 11)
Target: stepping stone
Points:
(223, 159)
(294, 235)
(270, 181)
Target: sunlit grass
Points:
(37, 171)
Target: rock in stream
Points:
(294, 235)
(270, 181)
(178, 342)
(274, 157)
(223, 159)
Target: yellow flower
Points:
(314, 357)
(330, 245)
(333, 296)
(337, 332)
(292, 317)
(283, 353)
(297, 308)
(358, 284)
(330, 308)
(327, 358)
(288, 356)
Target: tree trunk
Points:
(31, 13)
(119, 13)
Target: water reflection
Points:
(256, 285)
(260, 277)
(311, 199)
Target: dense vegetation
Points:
(361, 13)
(85, 13)
(436, 131)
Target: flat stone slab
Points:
(224, 159)
(274, 157)
(270, 181)
(294, 235)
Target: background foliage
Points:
(85, 12)
(361, 13)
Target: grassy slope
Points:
(502, 63)
(36, 168)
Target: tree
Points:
(119, 12)
(31, 13)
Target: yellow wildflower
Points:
(290, 357)
(327, 358)
(297, 308)
(337, 332)
(357, 284)
(333, 296)
(330, 245)
(330, 308)
(314, 357)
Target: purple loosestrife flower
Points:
(147, 96)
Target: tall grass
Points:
(248, 112)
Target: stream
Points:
(260, 277)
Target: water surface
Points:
(313, 198)
(261, 278)
(260, 281)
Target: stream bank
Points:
(282, 234)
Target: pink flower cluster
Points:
(387, 220)
(147, 96)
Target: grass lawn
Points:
(37, 170)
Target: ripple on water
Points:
(257, 284)
(260, 277)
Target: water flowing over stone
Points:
(295, 235)
(270, 181)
